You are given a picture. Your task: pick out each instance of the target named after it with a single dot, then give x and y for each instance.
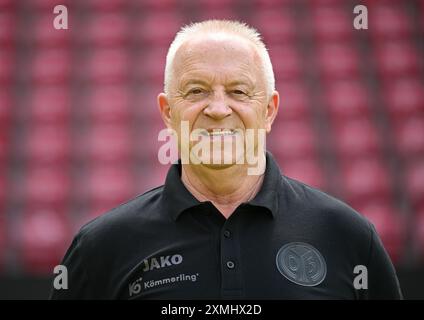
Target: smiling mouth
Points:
(219, 132)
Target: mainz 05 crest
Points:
(301, 263)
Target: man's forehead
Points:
(218, 53)
(215, 44)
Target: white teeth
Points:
(221, 133)
(218, 133)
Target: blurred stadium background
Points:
(79, 123)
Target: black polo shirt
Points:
(290, 242)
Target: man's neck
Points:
(225, 188)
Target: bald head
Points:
(218, 34)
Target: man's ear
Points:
(271, 111)
(164, 109)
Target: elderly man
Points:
(218, 229)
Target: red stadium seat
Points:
(226, 13)
(276, 26)
(7, 66)
(390, 22)
(46, 188)
(108, 144)
(356, 138)
(409, 137)
(294, 103)
(421, 10)
(3, 193)
(106, 66)
(165, 25)
(324, 3)
(47, 36)
(331, 23)
(151, 68)
(49, 105)
(48, 146)
(338, 61)
(104, 5)
(9, 5)
(414, 181)
(272, 4)
(286, 61)
(395, 59)
(51, 66)
(44, 237)
(347, 100)
(4, 146)
(404, 98)
(307, 171)
(390, 226)
(110, 104)
(153, 5)
(6, 107)
(47, 4)
(107, 29)
(365, 180)
(107, 187)
(145, 105)
(293, 139)
(218, 4)
(7, 29)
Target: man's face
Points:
(219, 87)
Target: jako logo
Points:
(161, 262)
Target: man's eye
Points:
(239, 92)
(195, 91)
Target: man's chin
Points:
(218, 163)
(218, 166)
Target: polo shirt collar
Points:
(177, 199)
(268, 195)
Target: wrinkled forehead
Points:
(217, 52)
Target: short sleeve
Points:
(382, 278)
(78, 286)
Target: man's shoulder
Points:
(321, 205)
(136, 211)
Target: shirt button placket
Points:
(231, 279)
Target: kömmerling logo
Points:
(158, 263)
(136, 286)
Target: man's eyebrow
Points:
(246, 81)
(187, 82)
(232, 83)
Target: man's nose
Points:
(218, 108)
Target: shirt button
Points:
(227, 234)
(230, 264)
